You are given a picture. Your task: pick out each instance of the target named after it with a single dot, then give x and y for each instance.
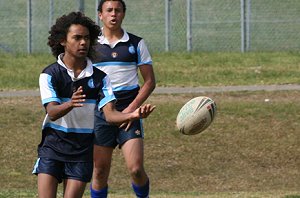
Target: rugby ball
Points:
(196, 115)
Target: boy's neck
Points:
(113, 35)
(75, 64)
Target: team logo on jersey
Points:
(91, 83)
(114, 54)
(131, 49)
(137, 132)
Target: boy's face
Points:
(112, 14)
(77, 42)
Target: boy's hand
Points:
(142, 112)
(78, 98)
(145, 110)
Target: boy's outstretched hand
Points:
(145, 110)
(142, 112)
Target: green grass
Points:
(22, 71)
(251, 149)
(176, 69)
(206, 69)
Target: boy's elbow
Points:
(111, 122)
(53, 118)
(152, 84)
(109, 119)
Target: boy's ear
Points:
(100, 16)
(63, 43)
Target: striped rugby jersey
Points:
(70, 138)
(120, 61)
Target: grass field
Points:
(177, 69)
(251, 149)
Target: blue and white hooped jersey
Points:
(121, 60)
(70, 138)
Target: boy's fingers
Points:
(152, 108)
(122, 125)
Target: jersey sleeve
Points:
(47, 91)
(144, 57)
(107, 91)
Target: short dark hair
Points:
(102, 2)
(59, 30)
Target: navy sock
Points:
(141, 191)
(102, 193)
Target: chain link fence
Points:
(166, 25)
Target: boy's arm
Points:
(146, 89)
(117, 117)
(56, 110)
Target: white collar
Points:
(102, 40)
(86, 72)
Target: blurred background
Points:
(166, 25)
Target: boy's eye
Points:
(76, 37)
(81, 37)
(112, 9)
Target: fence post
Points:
(96, 12)
(242, 25)
(248, 25)
(51, 11)
(29, 26)
(189, 25)
(81, 6)
(167, 24)
(50, 14)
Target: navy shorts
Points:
(81, 171)
(111, 135)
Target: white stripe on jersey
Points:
(83, 124)
(120, 75)
(46, 89)
(144, 57)
(108, 92)
(124, 75)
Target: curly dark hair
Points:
(60, 29)
(102, 1)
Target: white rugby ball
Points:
(196, 115)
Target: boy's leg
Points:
(74, 188)
(49, 173)
(47, 186)
(141, 191)
(102, 163)
(133, 151)
(102, 193)
(76, 176)
(104, 144)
